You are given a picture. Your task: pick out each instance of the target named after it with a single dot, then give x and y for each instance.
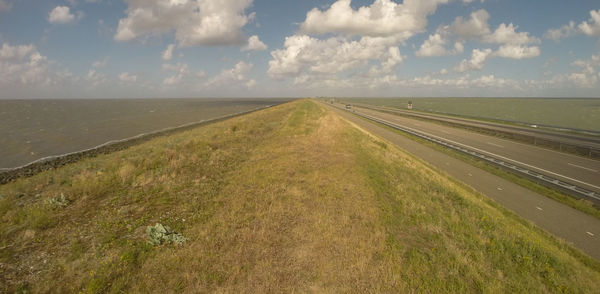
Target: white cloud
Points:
(506, 34)
(436, 46)
(23, 65)
(182, 71)
(127, 77)
(517, 51)
(477, 61)
(360, 41)
(101, 63)
(593, 27)
(250, 84)
(168, 53)
(475, 27)
(254, 44)
(423, 84)
(513, 44)
(383, 18)
(63, 15)
(562, 32)
(231, 77)
(480, 57)
(195, 22)
(8, 52)
(587, 76)
(95, 78)
(305, 54)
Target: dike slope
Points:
(289, 199)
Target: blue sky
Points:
(246, 48)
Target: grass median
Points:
(290, 199)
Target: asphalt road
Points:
(578, 228)
(573, 169)
(541, 133)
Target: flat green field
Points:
(291, 199)
(583, 114)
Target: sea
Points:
(34, 129)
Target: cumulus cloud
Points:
(480, 57)
(473, 28)
(127, 77)
(15, 53)
(251, 83)
(506, 34)
(517, 51)
(168, 53)
(486, 81)
(182, 74)
(591, 28)
(587, 76)
(435, 45)
(477, 28)
(305, 54)
(562, 32)
(95, 78)
(513, 44)
(477, 61)
(360, 41)
(63, 15)
(254, 44)
(195, 22)
(429, 83)
(231, 77)
(23, 65)
(383, 18)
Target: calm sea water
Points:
(33, 129)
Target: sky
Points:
(292, 48)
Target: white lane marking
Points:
(583, 167)
(538, 208)
(494, 144)
(589, 233)
(499, 189)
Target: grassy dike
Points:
(289, 199)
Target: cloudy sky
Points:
(257, 48)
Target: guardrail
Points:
(535, 176)
(52, 162)
(578, 149)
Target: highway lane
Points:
(551, 135)
(576, 170)
(578, 228)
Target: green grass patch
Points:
(290, 199)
